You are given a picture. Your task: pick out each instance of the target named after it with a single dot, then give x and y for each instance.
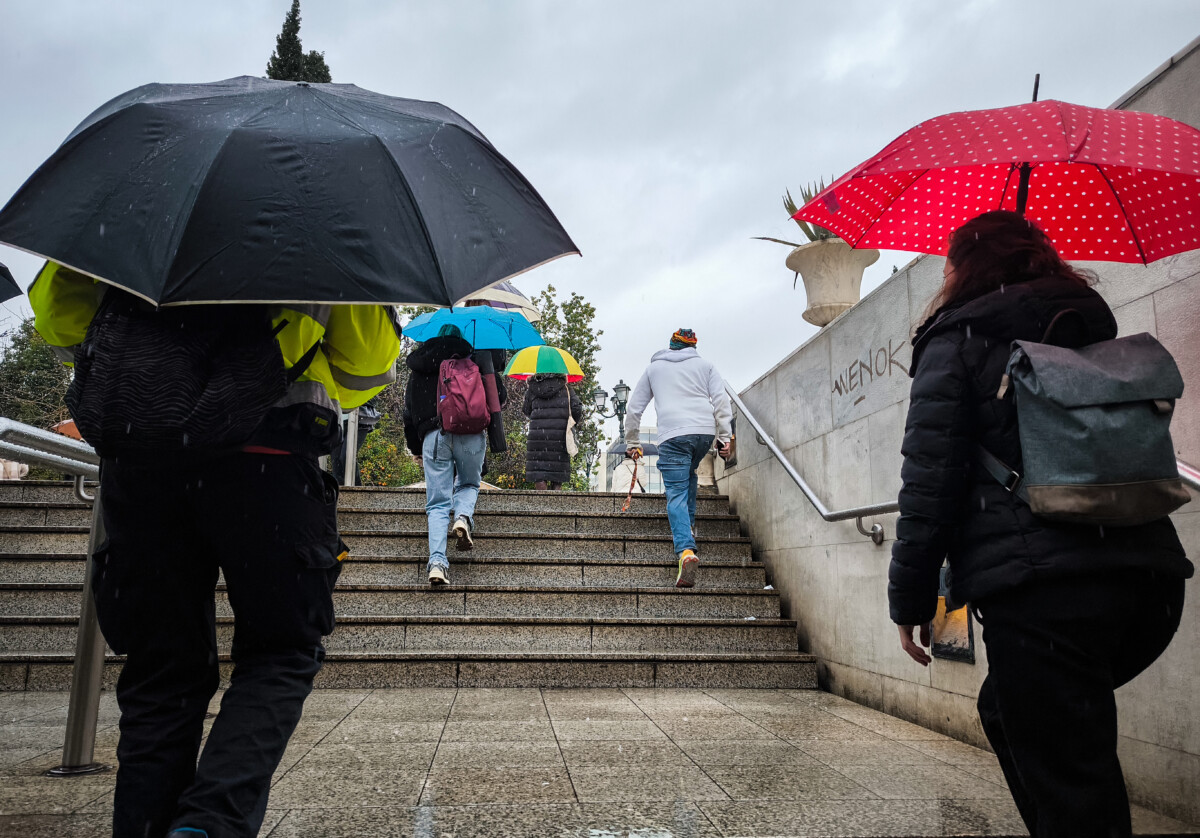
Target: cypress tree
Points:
(289, 61)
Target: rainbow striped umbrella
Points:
(544, 360)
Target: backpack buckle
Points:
(1012, 484)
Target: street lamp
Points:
(620, 397)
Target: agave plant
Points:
(812, 231)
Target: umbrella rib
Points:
(877, 219)
(420, 216)
(1136, 241)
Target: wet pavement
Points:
(526, 763)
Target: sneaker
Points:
(437, 576)
(689, 563)
(462, 532)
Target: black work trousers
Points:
(1056, 652)
(268, 523)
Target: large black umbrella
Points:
(256, 190)
(8, 285)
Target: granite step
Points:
(381, 498)
(50, 599)
(453, 668)
(54, 514)
(466, 569)
(30, 540)
(476, 634)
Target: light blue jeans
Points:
(452, 466)
(678, 459)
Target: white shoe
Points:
(462, 532)
(437, 576)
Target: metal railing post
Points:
(79, 747)
(350, 473)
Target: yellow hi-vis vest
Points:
(359, 343)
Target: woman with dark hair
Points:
(1069, 612)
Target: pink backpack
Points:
(462, 401)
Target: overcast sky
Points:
(662, 132)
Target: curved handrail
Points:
(858, 512)
(27, 444)
(1190, 475)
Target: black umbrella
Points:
(8, 285)
(649, 449)
(256, 190)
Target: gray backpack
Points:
(1094, 425)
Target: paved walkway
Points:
(528, 763)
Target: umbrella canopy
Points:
(506, 297)
(253, 190)
(1116, 186)
(482, 326)
(538, 360)
(8, 285)
(649, 449)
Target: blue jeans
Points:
(452, 466)
(678, 459)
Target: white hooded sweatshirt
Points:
(689, 397)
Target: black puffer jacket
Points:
(951, 508)
(547, 407)
(420, 396)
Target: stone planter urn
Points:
(832, 272)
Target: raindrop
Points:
(101, 231)
(968, 331)
(129, 428)
(185, 439)
(1102, 531)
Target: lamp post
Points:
(620, 397)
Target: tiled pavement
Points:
(517, 763)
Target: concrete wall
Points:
(837, 405)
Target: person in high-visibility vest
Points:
(264, 515)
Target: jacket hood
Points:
(543, 387)
(675, 355)
(427, 357)
(1023, 312)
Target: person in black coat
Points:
(548, 404)
(1069, 611)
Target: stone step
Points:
(54, 599)
(373, 670)
(466, 569)
(378, 498)
(477, 634)
(30, 514)
(32, 540)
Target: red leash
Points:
(632, 483)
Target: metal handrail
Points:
(1189, 474)
(857, 513)
(27, 444)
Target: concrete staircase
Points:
(561, 590)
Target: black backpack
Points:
(190, 382)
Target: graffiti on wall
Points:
(875, 363)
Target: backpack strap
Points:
(305, 361)
(1001, 473)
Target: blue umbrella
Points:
(482, 326)
(8, 285)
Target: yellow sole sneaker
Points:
(689, 563)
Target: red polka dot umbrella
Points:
(1108, 185)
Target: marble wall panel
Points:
(805, 400)
(1136, 317)
(870, 353)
